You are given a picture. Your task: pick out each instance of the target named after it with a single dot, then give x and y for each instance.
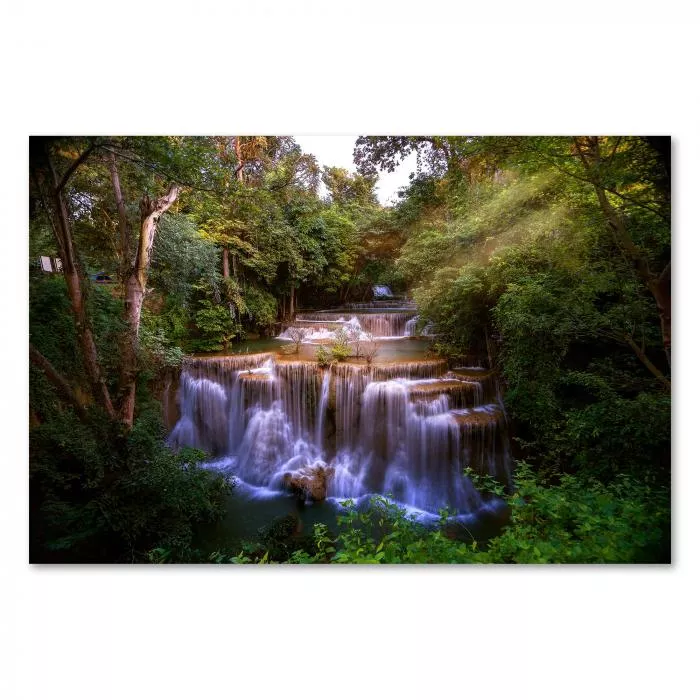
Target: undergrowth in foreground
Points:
(575, 521)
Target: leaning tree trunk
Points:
(57, 211)
(134, 294)
(662, 296)
(659, 286)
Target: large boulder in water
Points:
(309, 483)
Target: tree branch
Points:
(60, 384)
(75, 165)
(647, 362)
(160, 171)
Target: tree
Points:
(345, 188)
(135, 271)
(522, 266)
(595, 162)
(51, 187)
(370, 348)
(354, 334)
(630, 177)
(296, 335)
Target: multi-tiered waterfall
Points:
(402, 428)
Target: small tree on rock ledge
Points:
(370, 348)
(297, 335)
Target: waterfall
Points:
(404, 428)
(322, 325)
(384, 304)
(350, 384)
(381, 290)
(204, 414)
(322, 407)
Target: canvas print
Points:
(344, 349)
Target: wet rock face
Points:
(309, 483)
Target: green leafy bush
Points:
(157, 350)
(324, 356)
(215, 327)
(581, 520)
(260, 307)
(98, 496)
(577, 520)
(341, 348)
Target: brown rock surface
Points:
(309, 482)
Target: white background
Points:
(346, 68)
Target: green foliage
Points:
(51, 328)
(341, 349)
(52, 331)
(97, 495)
(577, 520)
(346, 189)
(182, 258)
(215, 327)
(324, 356)
(157, 350)
(485, 483)
(260, 306)
(522, 268)
(581, 520)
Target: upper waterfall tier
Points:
(382, 305)
(404, 428)
(383, 325)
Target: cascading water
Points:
(322, 408)
(381, 291)
(322, 325)
(405, 428)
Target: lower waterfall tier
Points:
(405, 429)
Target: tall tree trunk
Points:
(151, 211)
(57, 211)
(239, 157)
(124, 224)
(291, 302)
(224, 256)
(226, 269)
(659, 286)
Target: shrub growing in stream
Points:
(341, 350)
(324, 357)
(296, 335)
